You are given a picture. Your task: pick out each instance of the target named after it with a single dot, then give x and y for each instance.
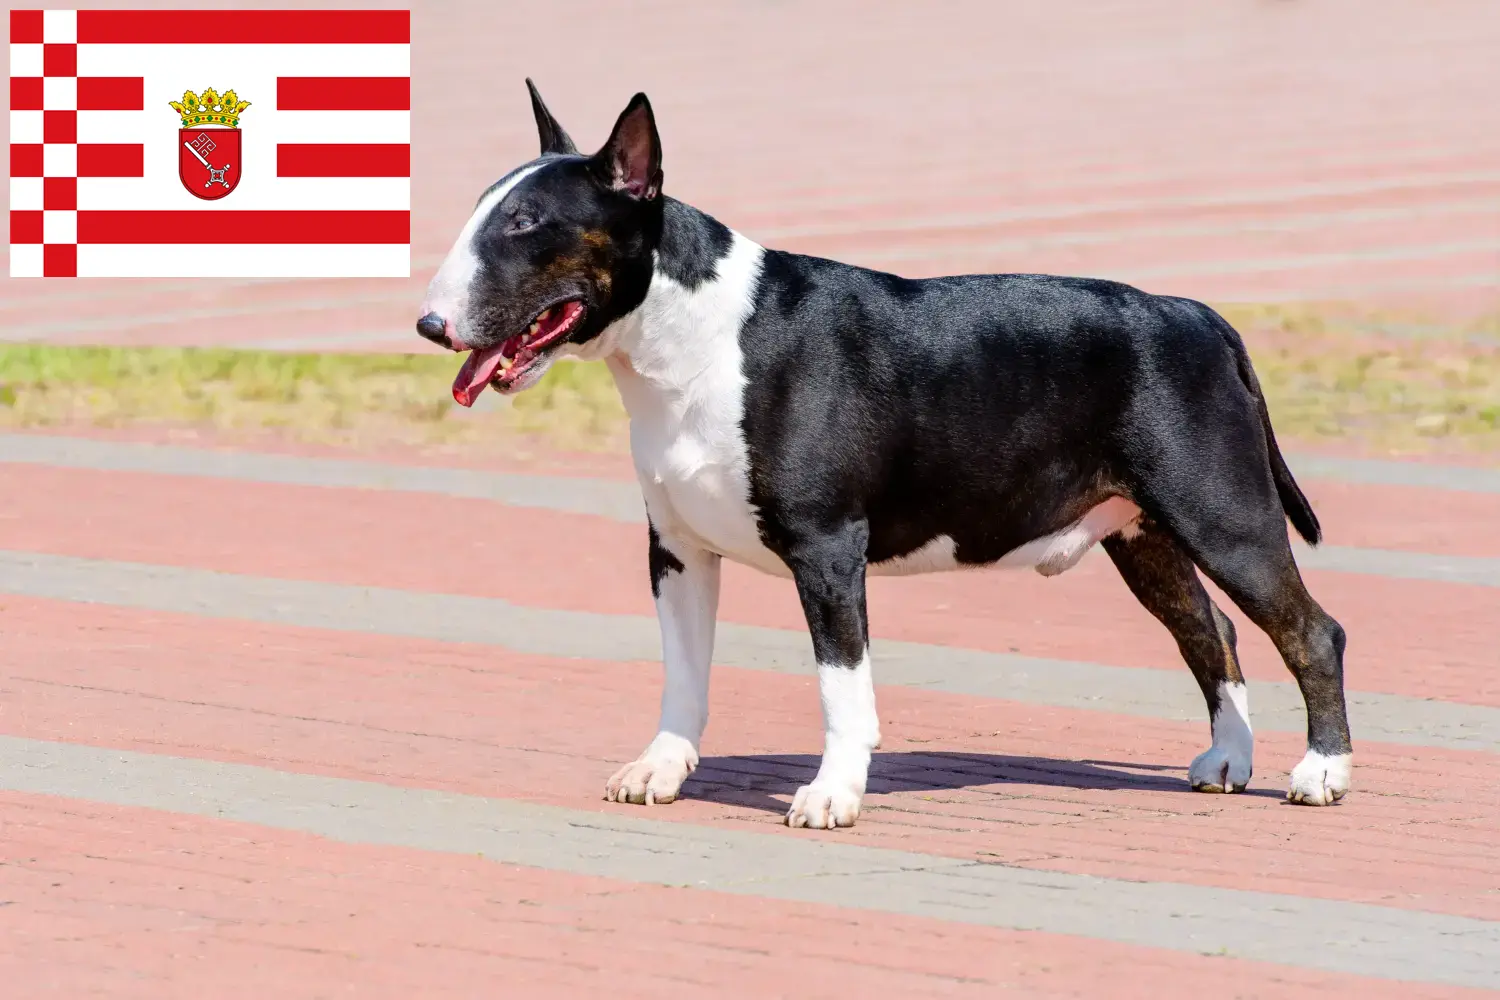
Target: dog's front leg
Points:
(685, 582)
(830, 573)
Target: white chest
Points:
(680, 376)
(691, 459)
(707, 498)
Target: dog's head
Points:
(555, 252)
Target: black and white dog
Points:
(825, 422)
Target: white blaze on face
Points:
(448, 293)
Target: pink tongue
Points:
(479, 367)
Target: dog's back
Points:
(993, 409)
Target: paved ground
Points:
(260, 722)
(302, 725)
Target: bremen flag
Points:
(223, 143)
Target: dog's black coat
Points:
(990, 408)
(882, 412)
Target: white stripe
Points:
(242, 261)
(259, 189)
(258, 126)
(223, 66)
(341, 126)
(25, 260)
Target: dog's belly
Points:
(709, 507)
(1049, 554)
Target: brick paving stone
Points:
(1406, 518)
(1400, 517)
(325, 535)
(1084, 792)
(126, 902)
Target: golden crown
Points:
(212, 108)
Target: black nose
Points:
(434, 329)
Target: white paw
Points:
(1226, 766)
(656, 776)
(1220, 769)
(824, 805)
(1320, 780)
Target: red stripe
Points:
(350, 159)
(343, 93)
(111, 93)
(25, 26)
(244, 27)
(111, 159)
(209, 227)
(26, 93)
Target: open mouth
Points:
(503, 365)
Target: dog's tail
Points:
(1298, 510)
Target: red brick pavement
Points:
(184, 907)
(487, 550)
(1334, 150)
(963, 776)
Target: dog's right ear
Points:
(630, 161)
(554, 139)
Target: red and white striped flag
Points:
(224, 143)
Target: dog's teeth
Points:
(537, 326)
(544, 315)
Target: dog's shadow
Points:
(754, 780)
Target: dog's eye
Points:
(521, 223)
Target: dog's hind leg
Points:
(829, 569)
(685, 582)
(1201, 459)
(1162, 577)
(1259, 574)
(1223, 510)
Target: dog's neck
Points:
(683, 339)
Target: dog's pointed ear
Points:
(630, 161)
(554, 138)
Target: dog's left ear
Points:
(630, 161)
(554, 139)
